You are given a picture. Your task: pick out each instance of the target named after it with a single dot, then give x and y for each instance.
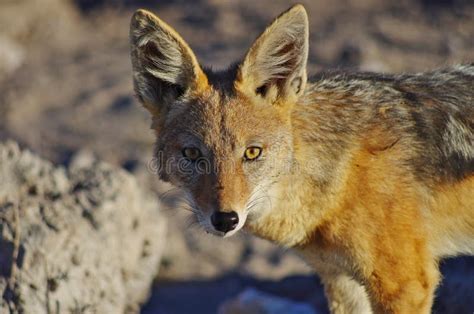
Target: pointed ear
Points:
(275, 66)
(164, 67)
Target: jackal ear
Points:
(164, 67)
(275, 66)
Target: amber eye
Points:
(252, 153)
(191, 153)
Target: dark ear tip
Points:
(141, 17)
(138, 15)
(141, 13)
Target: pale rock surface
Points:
(86, 239)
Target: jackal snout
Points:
(226, 204)
(225, 221)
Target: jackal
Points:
(370, 177)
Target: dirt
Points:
(65, 85)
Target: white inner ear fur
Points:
(161, 51)
(164, 56)
(164, 67)
(278, 57)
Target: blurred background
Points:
(65, 87)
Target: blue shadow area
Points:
(455, 295)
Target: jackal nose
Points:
(225, 222)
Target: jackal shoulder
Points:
(432, 112)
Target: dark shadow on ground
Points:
(206, 296)
(455, 295)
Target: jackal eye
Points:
(252, 153)
(191, 153)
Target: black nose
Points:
(225, 222)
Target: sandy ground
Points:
(65, 86)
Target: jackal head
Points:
(224, 138)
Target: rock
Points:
(252, 301)
(83, 239)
